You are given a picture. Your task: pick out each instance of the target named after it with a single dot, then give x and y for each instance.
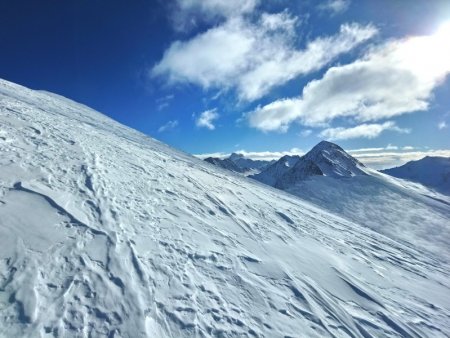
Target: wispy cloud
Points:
(389, 159)
(442, 125)
(306, 132)
(188, 14)
(334, 6)
(206, 118)
(253, 56)
(168, 126)
(164, 102)
(256, 155)
(390, 80)
(369, 131)
(365, 150)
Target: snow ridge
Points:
(238, 163)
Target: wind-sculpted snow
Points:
(401, 210)
(433, 172)
(106, 232)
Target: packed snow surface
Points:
(106, 232)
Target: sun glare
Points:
(440, 45)
(444, 31)
(427, 56)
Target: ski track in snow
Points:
(106, 232)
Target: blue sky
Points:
(261, 77)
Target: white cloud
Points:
(335, 6)
(168, 126)
(395, 78)
(186, 14)
(284, 63)
(253, 57)
(257, 155)
(391, 147)
(361, 150)
(223, 8)
(363, 130)
(442, 125)
(365, 150)
(306, 132)
(206, 119)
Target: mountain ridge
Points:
(431, 171)
(239, 163)
(324, 159)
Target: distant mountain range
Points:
(239, 164)
(331, 178)
(328, 159)
(433, 172)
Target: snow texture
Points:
(107, 232)
(431, 171)
(276, 170)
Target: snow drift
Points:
(107, 232)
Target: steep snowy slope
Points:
(106, 232)
(433, 172)
(331, 178)
(271, 173)
(333, 161)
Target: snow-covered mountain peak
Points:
(235, 156)
(334, 161)
(325, 159)
(326, 145)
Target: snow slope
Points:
(107, 232)
(433, 172)
(277, 169)
(404, 211)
